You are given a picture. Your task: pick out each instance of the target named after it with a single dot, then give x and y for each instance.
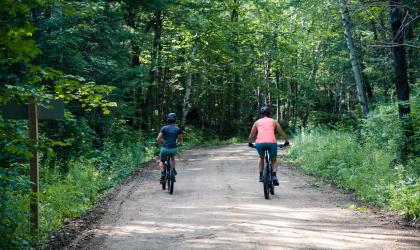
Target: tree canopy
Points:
(122, 65)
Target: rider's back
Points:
(265, 131)
(170, 133)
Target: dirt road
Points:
(219, 204)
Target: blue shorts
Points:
(271, 147)
(165, 152)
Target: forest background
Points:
(341, 76)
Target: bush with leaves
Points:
(364, 165)
(14, 204)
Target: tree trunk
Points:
(130, 20)
(151, 102)
(400, 67)
(345, 17)
(235, 111)
(136, 120)
(368, 86)
(277, 95)
(295, 104)
(267, 82)
(381, 53)
(289, 101)
(412, 57)
(186, 105)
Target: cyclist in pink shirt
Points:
(266, 140)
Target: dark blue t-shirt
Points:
(170, 134)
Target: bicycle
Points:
(170, 173)
(268, 184)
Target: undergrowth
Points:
(74, 175)
(367, 164)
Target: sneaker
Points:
(162, 179)
(275, 180)
(260, 179)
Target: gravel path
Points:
(218, 204)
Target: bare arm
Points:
(180, 139)
(253, 133)
(159, 137)
(280, 130)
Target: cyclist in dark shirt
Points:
(169, 133)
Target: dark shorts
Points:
(165, 152)
(271, 147)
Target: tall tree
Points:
(400, 67)
(347, 23)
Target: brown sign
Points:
(54, 109)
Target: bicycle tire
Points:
(164, 185)
(166, 175)
(171, 182)
(266, 183)
(271, 189)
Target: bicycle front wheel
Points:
(266, 183)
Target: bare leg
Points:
(261, 164)
(274, 164)
(162, 166)
(173, 161)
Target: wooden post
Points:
(33, 165)
(33, 113)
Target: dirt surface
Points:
(219, 204)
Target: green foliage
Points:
(405, 193)
(64, 141)
(365, 166)
(65, 196)
(14, 203)
(414, 118)
(90, 175)
(194, 137)
(382, 128)
(141, 55)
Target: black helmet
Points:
(265, 110)
(171, 117)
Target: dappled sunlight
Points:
(193, 169)
(218, 204)
(152, 227)
(220, 226)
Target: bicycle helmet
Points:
(171, 117)
(265, 110)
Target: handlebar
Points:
(281, 145)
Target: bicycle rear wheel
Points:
(171, 182)
(166, 175)
(164, 180)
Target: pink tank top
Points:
(265, 131)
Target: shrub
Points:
(14, 204)
(364, 165)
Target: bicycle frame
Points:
(267, 173)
